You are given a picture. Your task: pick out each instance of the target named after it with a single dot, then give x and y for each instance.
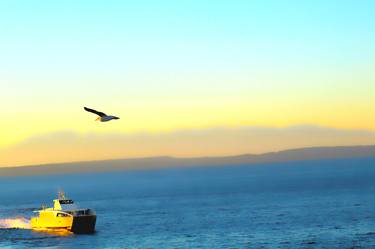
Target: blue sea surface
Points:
(306, 204)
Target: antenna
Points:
(61, 195)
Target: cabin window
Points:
(66, 201)
(62, 215)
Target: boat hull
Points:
(50, 221)
(83, 224)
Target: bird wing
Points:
(101, 114)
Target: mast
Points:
(61, 195)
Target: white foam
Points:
(21, 223)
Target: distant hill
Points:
(315, 153)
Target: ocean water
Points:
(312, 204)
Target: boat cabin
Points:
(64, 205)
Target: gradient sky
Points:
(165, 66)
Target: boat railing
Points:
(81, 212)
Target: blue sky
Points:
(172, 65)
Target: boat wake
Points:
(15, 223)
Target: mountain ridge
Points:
(298, 154)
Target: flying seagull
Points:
(102, 116)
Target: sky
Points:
(181, 67)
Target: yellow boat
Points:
(65, 215)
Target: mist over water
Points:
(312, 204)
